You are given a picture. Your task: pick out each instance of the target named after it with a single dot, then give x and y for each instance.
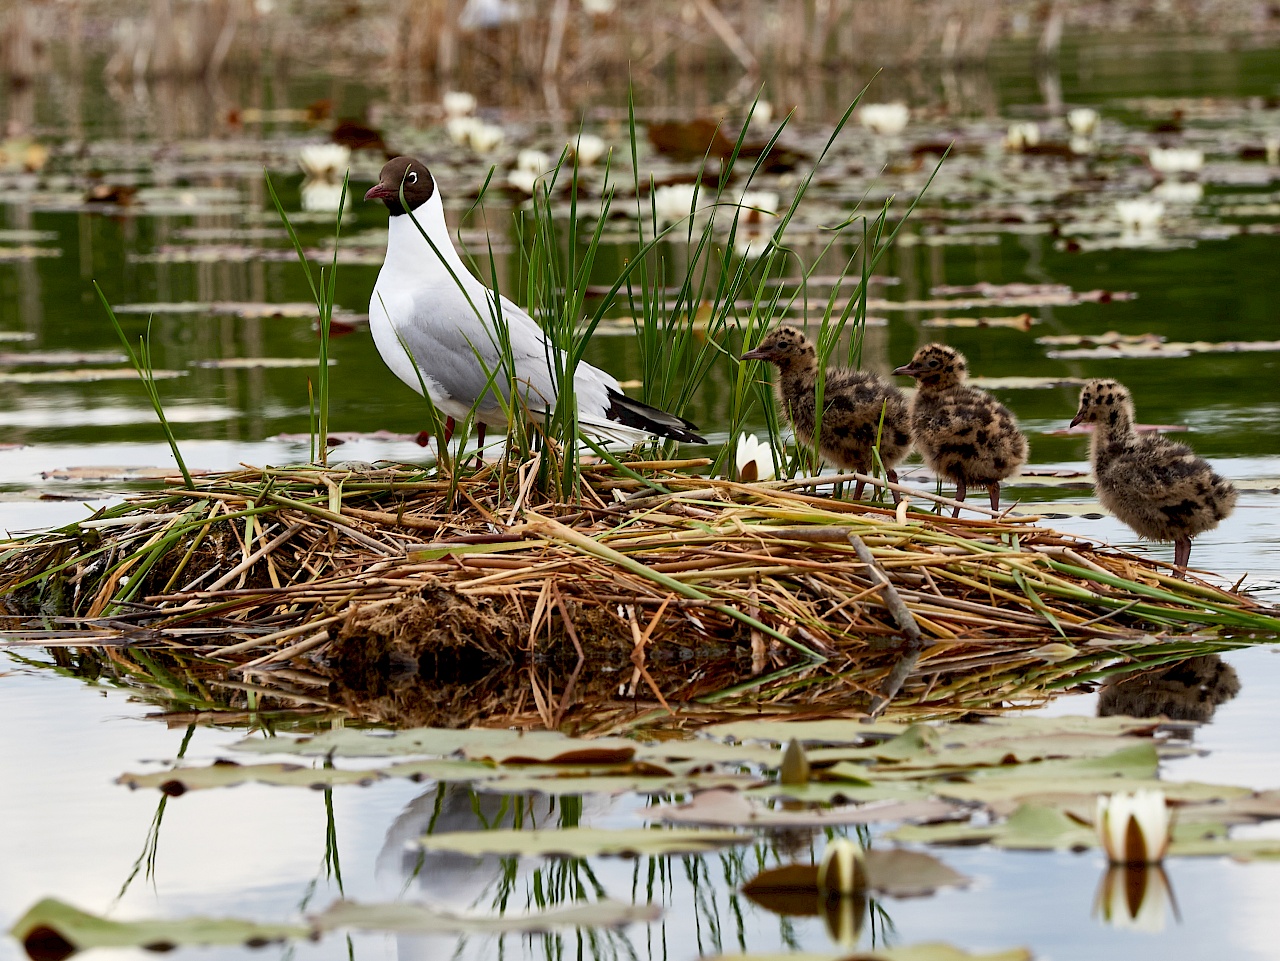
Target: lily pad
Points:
(927, 951)
(507, 747)
(732, 809)
(1025, 383)
(110, 473)
(81, 375)
(1022, 321)
(1030, 827)
(582, 842)
(246, 363)
(61, 357)
(408, 918)
(229, 774)
(55, 929)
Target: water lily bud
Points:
(1133, 828)
(843, 869)
(795, 764)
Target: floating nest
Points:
(659, 596)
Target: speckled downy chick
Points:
(1157, 486)
(963, 433)
(854, 403)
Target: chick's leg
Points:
(961, 489)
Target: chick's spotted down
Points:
(1157, 486)
(859, 409)
(963, 433)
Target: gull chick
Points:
(1157, 486)
(963, 433)
(436, 325)
(859, 409)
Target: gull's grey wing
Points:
(456, 349)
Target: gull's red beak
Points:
(379, 191)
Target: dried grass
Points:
(404, 597)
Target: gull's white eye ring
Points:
(413, 177)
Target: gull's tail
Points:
(628, 412)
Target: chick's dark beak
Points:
(1077, 420)
(379, 191)
(760, 353)
(906, 370)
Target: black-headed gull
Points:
(427, 304)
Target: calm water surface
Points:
(259, 852)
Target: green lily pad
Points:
(927, 951)
(529, 782)
(834, 731)
(228, 774)
(55, 929)
(1060, 791)
(508, 747)
(582, 842)
(1030, 827)
(732, 809)
(82, 375)
(409, 918)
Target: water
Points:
(259, 852)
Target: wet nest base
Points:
(411, 599)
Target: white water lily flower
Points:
(1133, 828)
(758, 205)
(458, 103)
(753, 459)
(1135, 898)
(1081, 145)
(523, 180)
(885, 119)
(1139, 214)
(751, 244)
(761, 113)
(843, 869)
(674, 201)
(533, 161)
(1022, 135)
(486, 138)
(1176, 160)
(1179, 192)
(588, 149)
(460, 129)
(1083, 121)
(321, 196)
(324, 161)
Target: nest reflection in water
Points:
(658, 597)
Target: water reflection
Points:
(1135, 896)
(1189, 690)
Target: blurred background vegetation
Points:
(575, 42)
